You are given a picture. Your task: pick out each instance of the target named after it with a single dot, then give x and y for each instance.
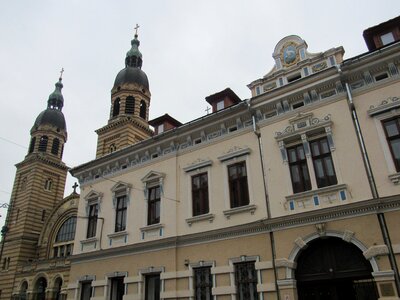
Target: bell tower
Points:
(130, 102)
(38, 186)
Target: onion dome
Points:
(53, 115)
(132, 73)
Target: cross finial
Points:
(207, 110)
(136, 28)
(61, 74)
(74, 187)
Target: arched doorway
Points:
(40, 289)
(330, 268)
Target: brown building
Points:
(38, 235)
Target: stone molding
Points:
(377, 250)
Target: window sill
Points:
(306, 194)
(322, 197)
(208, 217)
(151, 227)
(241, 209)
(89, 240)
(117, 234)
(395, 178)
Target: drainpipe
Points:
(271, 234)
(372, 184)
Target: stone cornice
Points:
(30, 158)
(351, 210)
(122, 121)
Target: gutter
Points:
(371, 181)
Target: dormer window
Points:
(220, 105)
(387, 38)
(160, 128)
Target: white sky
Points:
(191, 49)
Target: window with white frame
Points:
(306, 147)
(153, 191)
(93, 205)
(121, 194)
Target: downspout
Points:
(372, 184)
(271, 234)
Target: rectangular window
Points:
(298, 169)
(160, 128)
(392, 131)
(200, 194)
(323, 164)
(92, 220)
(203, 283)
(238, 189)
(387, 38)
(86, 290)
(153, 213)
(120, 213)
(246, 281)
(152, 287)
(220, 105)
(117, 288)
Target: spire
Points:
(56, 99)
(133, 56)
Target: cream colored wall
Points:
(348, 162)
(376, 144)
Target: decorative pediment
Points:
(120, 185)
(153, 175)
(383, 106)
(234, 152)
(198, 164)
(302, 123)
(93, 195)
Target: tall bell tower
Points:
(130, 101)
(38, 186)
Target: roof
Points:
(225, 93)
(163, 118)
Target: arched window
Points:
(43, 143)
(113, 148)
(116, 107)
(130, 105)
(64, 241)
(32, 145)
(22, 291)
(57, 288)
(62, 150)
(39, 293)
(67, 230)
(56, 146)
(48, 184)
(143, 109)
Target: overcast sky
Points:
(191, 49)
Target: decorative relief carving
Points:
(319, 67)
(234, 152)
(384, 105)
(301, 123)
(321, 228)
(348, 235)
(197, 164)
(377, 250)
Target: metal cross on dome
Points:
(61, 72)
(136, 28)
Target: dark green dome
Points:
(50, 116)
(131, 75)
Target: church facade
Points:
(291, 194)
(39, 231)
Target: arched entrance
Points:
(330, 268)
(40, 289)
(57, 289)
